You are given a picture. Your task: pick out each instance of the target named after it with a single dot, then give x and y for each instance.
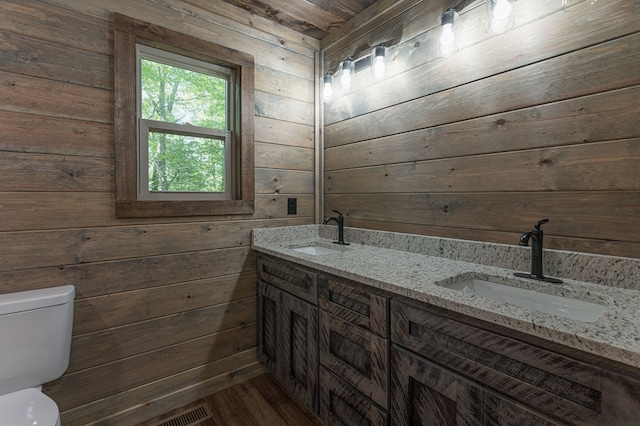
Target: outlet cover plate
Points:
(292, 206)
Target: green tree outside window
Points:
(180, 162)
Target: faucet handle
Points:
(336, 211)
(541, 222)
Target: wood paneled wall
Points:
(542, 121)
(166, 308)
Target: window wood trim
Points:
(129, 31)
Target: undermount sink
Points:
(316, 250)
(565, 307)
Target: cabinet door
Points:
(288, 342)
(269, 322)
(340, 404)
(299, 329)
(423, 393)
(356, 355)
(355, 303)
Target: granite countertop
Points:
(417, 266)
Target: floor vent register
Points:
(193, 416)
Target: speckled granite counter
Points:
(416, 266)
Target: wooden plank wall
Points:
(165, 309)
(538, 122)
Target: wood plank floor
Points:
(256, 402)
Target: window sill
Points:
(183, 208)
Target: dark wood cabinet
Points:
(356, 355)
(423, 393)
(354, 348)
(269, 322)
(523, 383)
(288, 339)
(300, 351)
(359, 356)
(341, 404)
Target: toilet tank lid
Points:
(34, 299)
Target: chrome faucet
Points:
(536, 237)
(340, 222)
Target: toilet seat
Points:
(28, 407)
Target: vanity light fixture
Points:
(501, 16)
(378, 61)
(327, 90)
(447, 36)
(346, 73)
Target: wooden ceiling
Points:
(315, 18)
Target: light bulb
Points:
(447, 37)
(346, 71)
(502, 9)
(379, 68)
(345, 79)
(501, 16)
(327, 90)
(378, 62)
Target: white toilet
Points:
(35, 340)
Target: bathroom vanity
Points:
(374, 333)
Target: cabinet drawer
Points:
(356, 355)
(340, 404)
(355, 304)
(548, 382)
(289, 277)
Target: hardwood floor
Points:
(256, 402)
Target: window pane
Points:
(184, 163)
(178, 95)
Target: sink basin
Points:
(551, 304)
(316, 250)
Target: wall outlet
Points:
(292, 206)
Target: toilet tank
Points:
(35, 336)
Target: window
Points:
(184, 120)
(183, 124)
